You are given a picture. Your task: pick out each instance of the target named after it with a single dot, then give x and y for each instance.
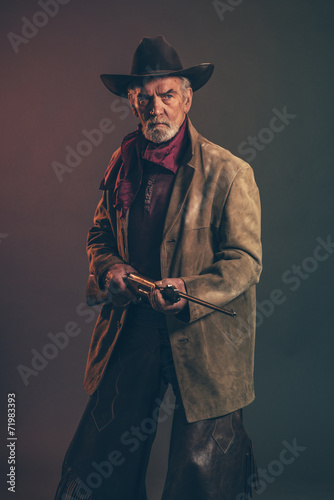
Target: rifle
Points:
(143, 287)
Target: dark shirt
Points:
(146, 219)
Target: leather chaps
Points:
(109, 454)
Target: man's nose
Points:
(156, 108)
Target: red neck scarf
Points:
(125, 178)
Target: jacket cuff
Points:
(100, 270)
(192, 311)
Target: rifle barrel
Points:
(207, 304)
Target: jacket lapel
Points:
(181, 187)
(182, 182)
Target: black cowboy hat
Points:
(156, 57)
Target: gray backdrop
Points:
(272, 59)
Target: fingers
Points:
(159, 304)
(156, 300)
(121, 295)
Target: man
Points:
(181, 211)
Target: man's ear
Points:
(134, 111)
(131, 100)
(188, 100)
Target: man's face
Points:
(161, 107)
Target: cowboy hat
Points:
(155, 57)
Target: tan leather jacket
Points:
(211, 239)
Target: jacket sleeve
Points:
(102, 248)
(237, 262)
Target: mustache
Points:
(151, 122)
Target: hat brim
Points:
(119, 84)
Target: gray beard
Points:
(157, 134)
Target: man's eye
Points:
(167, 96)
(143, 100)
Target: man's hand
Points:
(121, 295)
(160, 304)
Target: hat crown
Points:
(155, 54)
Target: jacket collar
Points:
(190, 163)
(190, 156)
